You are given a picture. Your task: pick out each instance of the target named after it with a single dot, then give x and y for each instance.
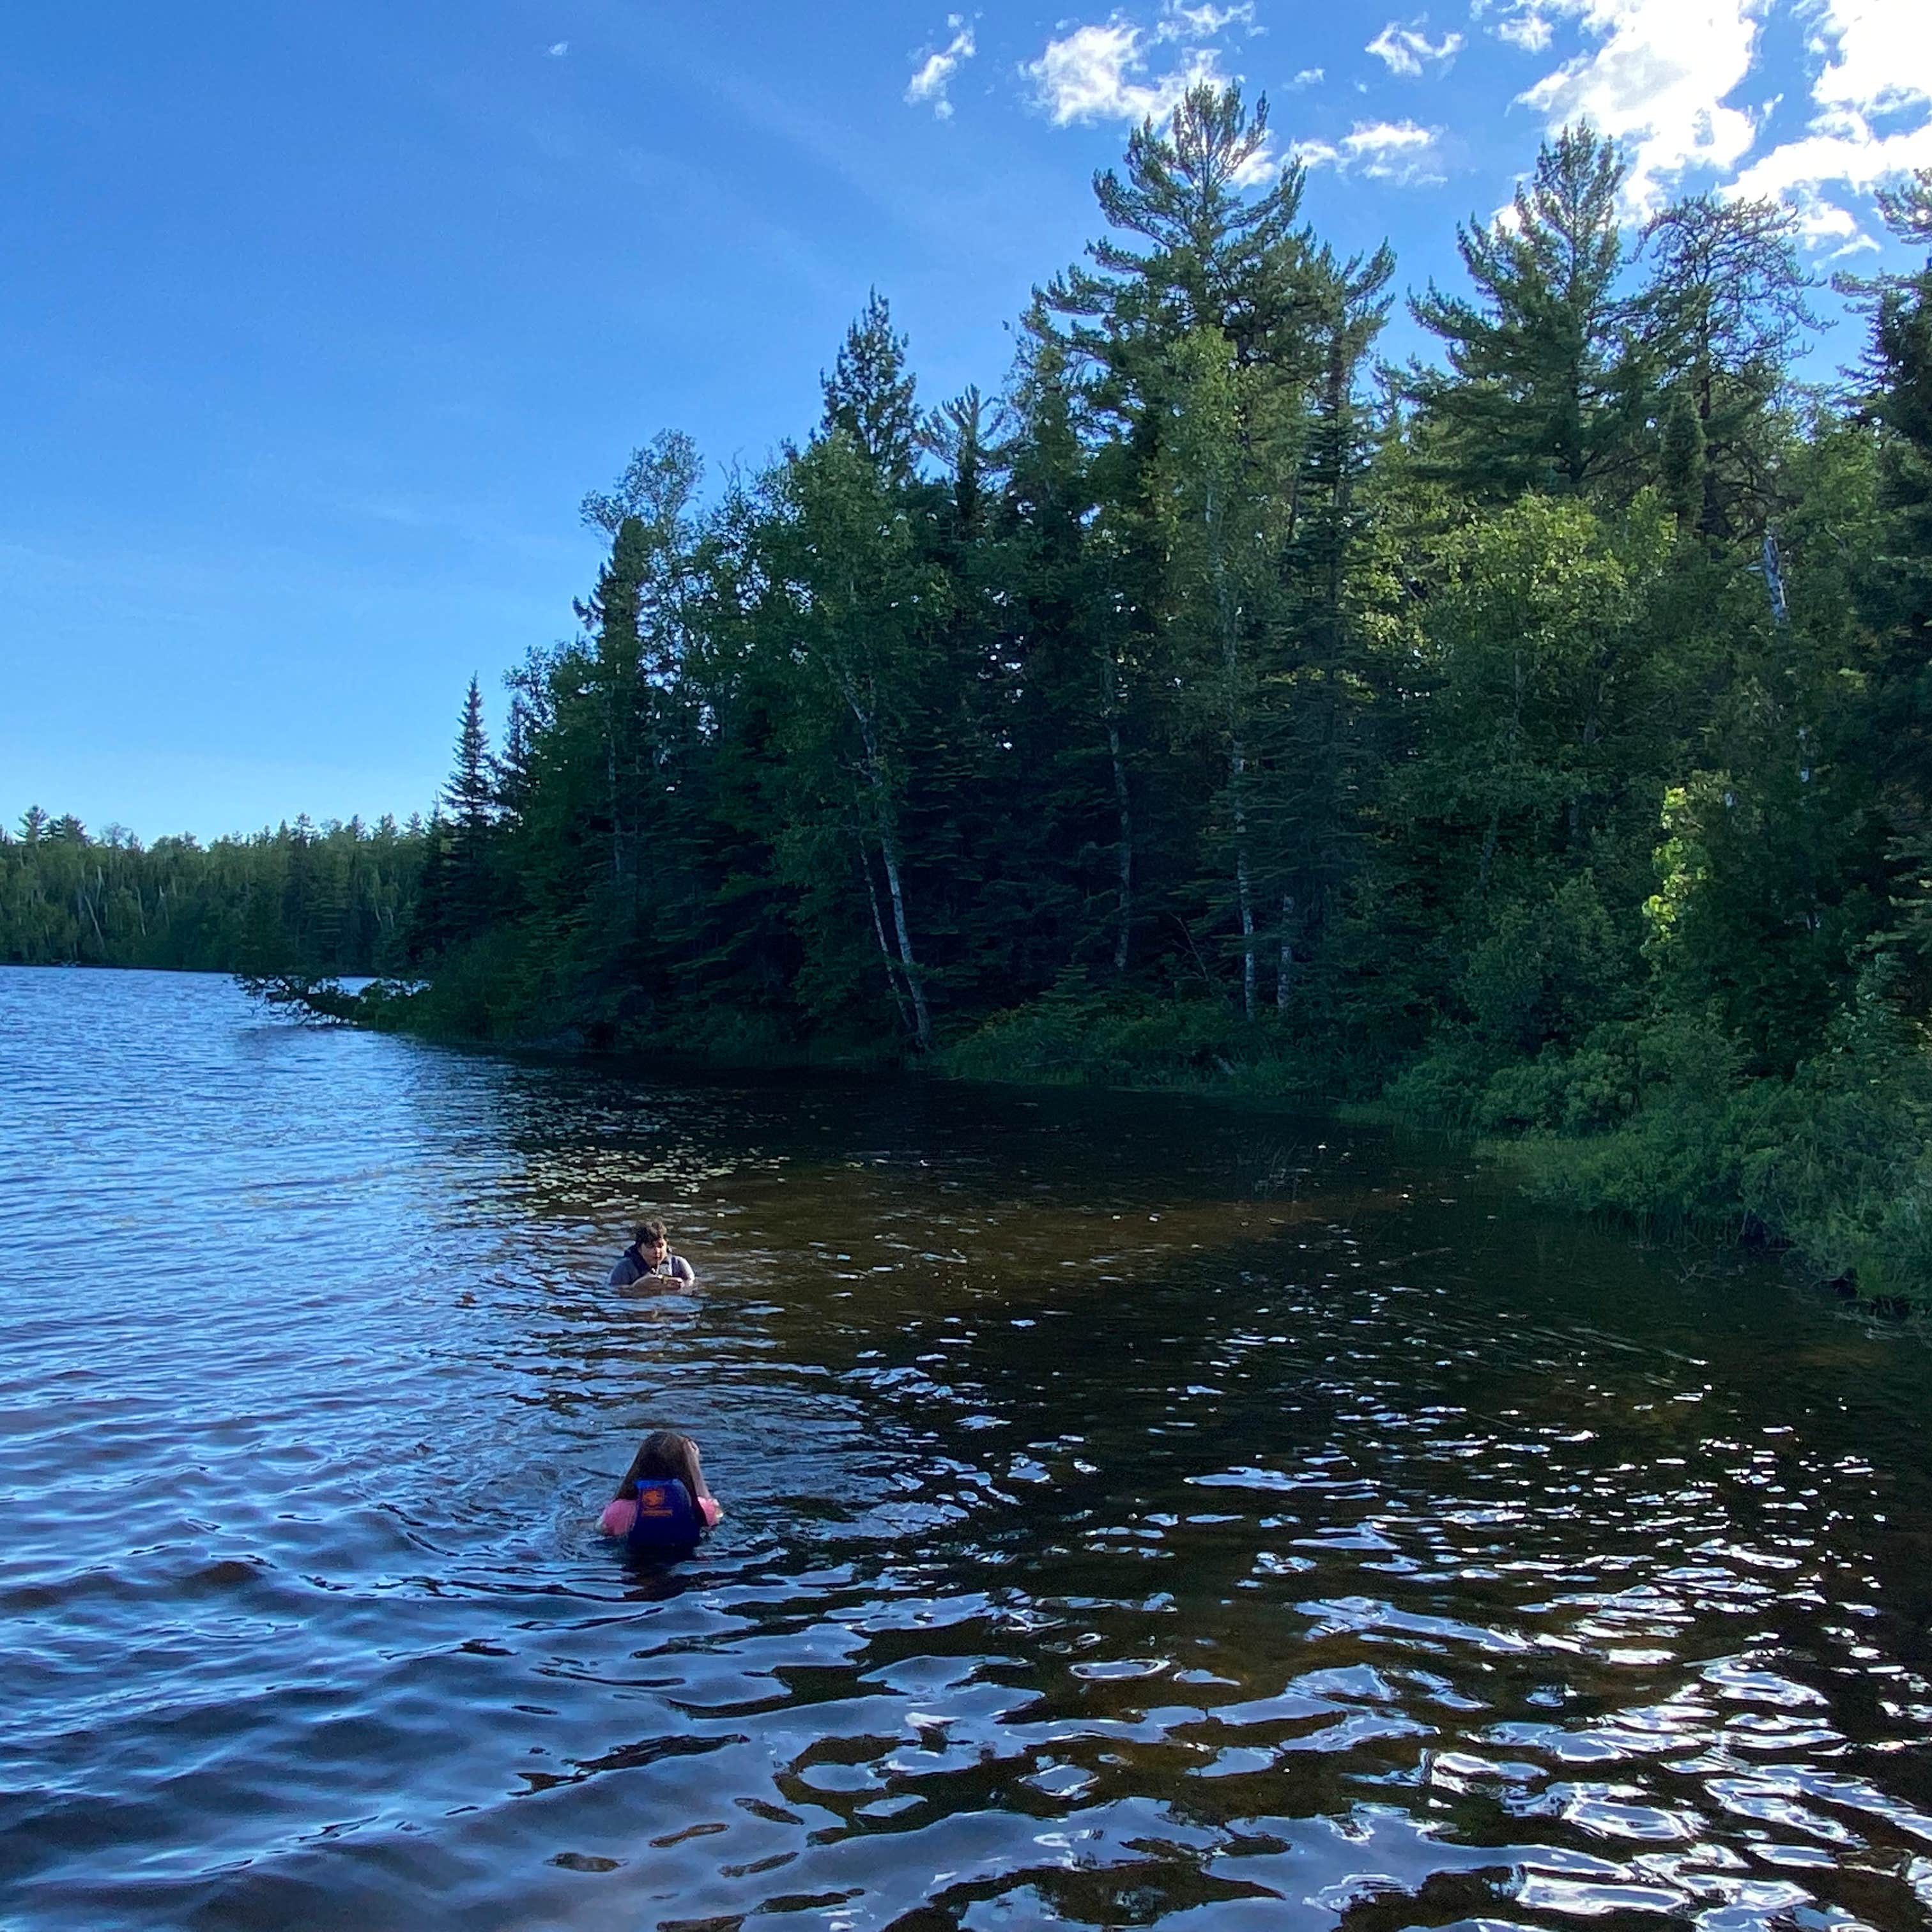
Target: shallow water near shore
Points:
(1141, 1512)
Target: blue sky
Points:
(315, 323)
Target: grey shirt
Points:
(630, 1267)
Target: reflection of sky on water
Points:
(1140, 1511)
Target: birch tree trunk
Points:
(616, 796)
(885, 951)
(1122, 806)
(1238, 761)
(1284, 971)
(889, 853)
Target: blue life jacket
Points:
(668, 1521)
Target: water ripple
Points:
(1111, 1540)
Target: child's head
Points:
(651, 1241)
(664, 1454)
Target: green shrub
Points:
(1073, 1034)
(1444, 1087)
(1836, 1160)
(1584, 1092)
(1546, 970)
(482, 990)
(1840, 1156)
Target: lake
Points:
(1141, 1511)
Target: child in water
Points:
(649, 1256)
(663, 1505)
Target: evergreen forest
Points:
(317, 902)
(1533, 739)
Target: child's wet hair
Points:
(649, 1230)
(664, 1455)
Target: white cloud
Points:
(1656, 75)
(1405, 48)
(1528, 30)
(1102, 73)
(1179, 22)
(1307, 77)
(1798, 171)
(557, 49)
(1263, 165)
(1820, 222)
(1397, 152)
(1093, 74)
(1877, 60)
(1879, 57)
(930, 82)
(1656, 81)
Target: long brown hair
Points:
(663, 1454)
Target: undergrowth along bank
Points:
(1656, 1124)
(1535, 743)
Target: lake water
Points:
(1141, 1512)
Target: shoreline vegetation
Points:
(1830, 1165)
(1534, 744)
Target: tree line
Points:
(302, 899)
(1535, 736)
(1533, 739)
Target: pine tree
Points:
(1197, 349)
(1720, 316)
(470, 795)
(1539, 391)
(1318, 752)
(1683, 461)
(615, 687)
(1070, 722)
(959, 433)
(1898, 593)
(465, 880)
(870, 395)
(1900, 361)
(849, 605)
(1221, 257)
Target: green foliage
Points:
(1525, 745)
(1542, 391)
(303, 899)
(304, 996)
(1550, 688)
(1073, 1035)
(1836, 1158)
(1755, 914)
(1544, 969)
(1685, 459)
(1723, 308)
(869, 395)
(1218, 257)
(484, 989)
(1540, 741)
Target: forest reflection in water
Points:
(1142, 1511)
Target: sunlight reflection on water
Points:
(1141, 1512)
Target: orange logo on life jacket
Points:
(654, 1502)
